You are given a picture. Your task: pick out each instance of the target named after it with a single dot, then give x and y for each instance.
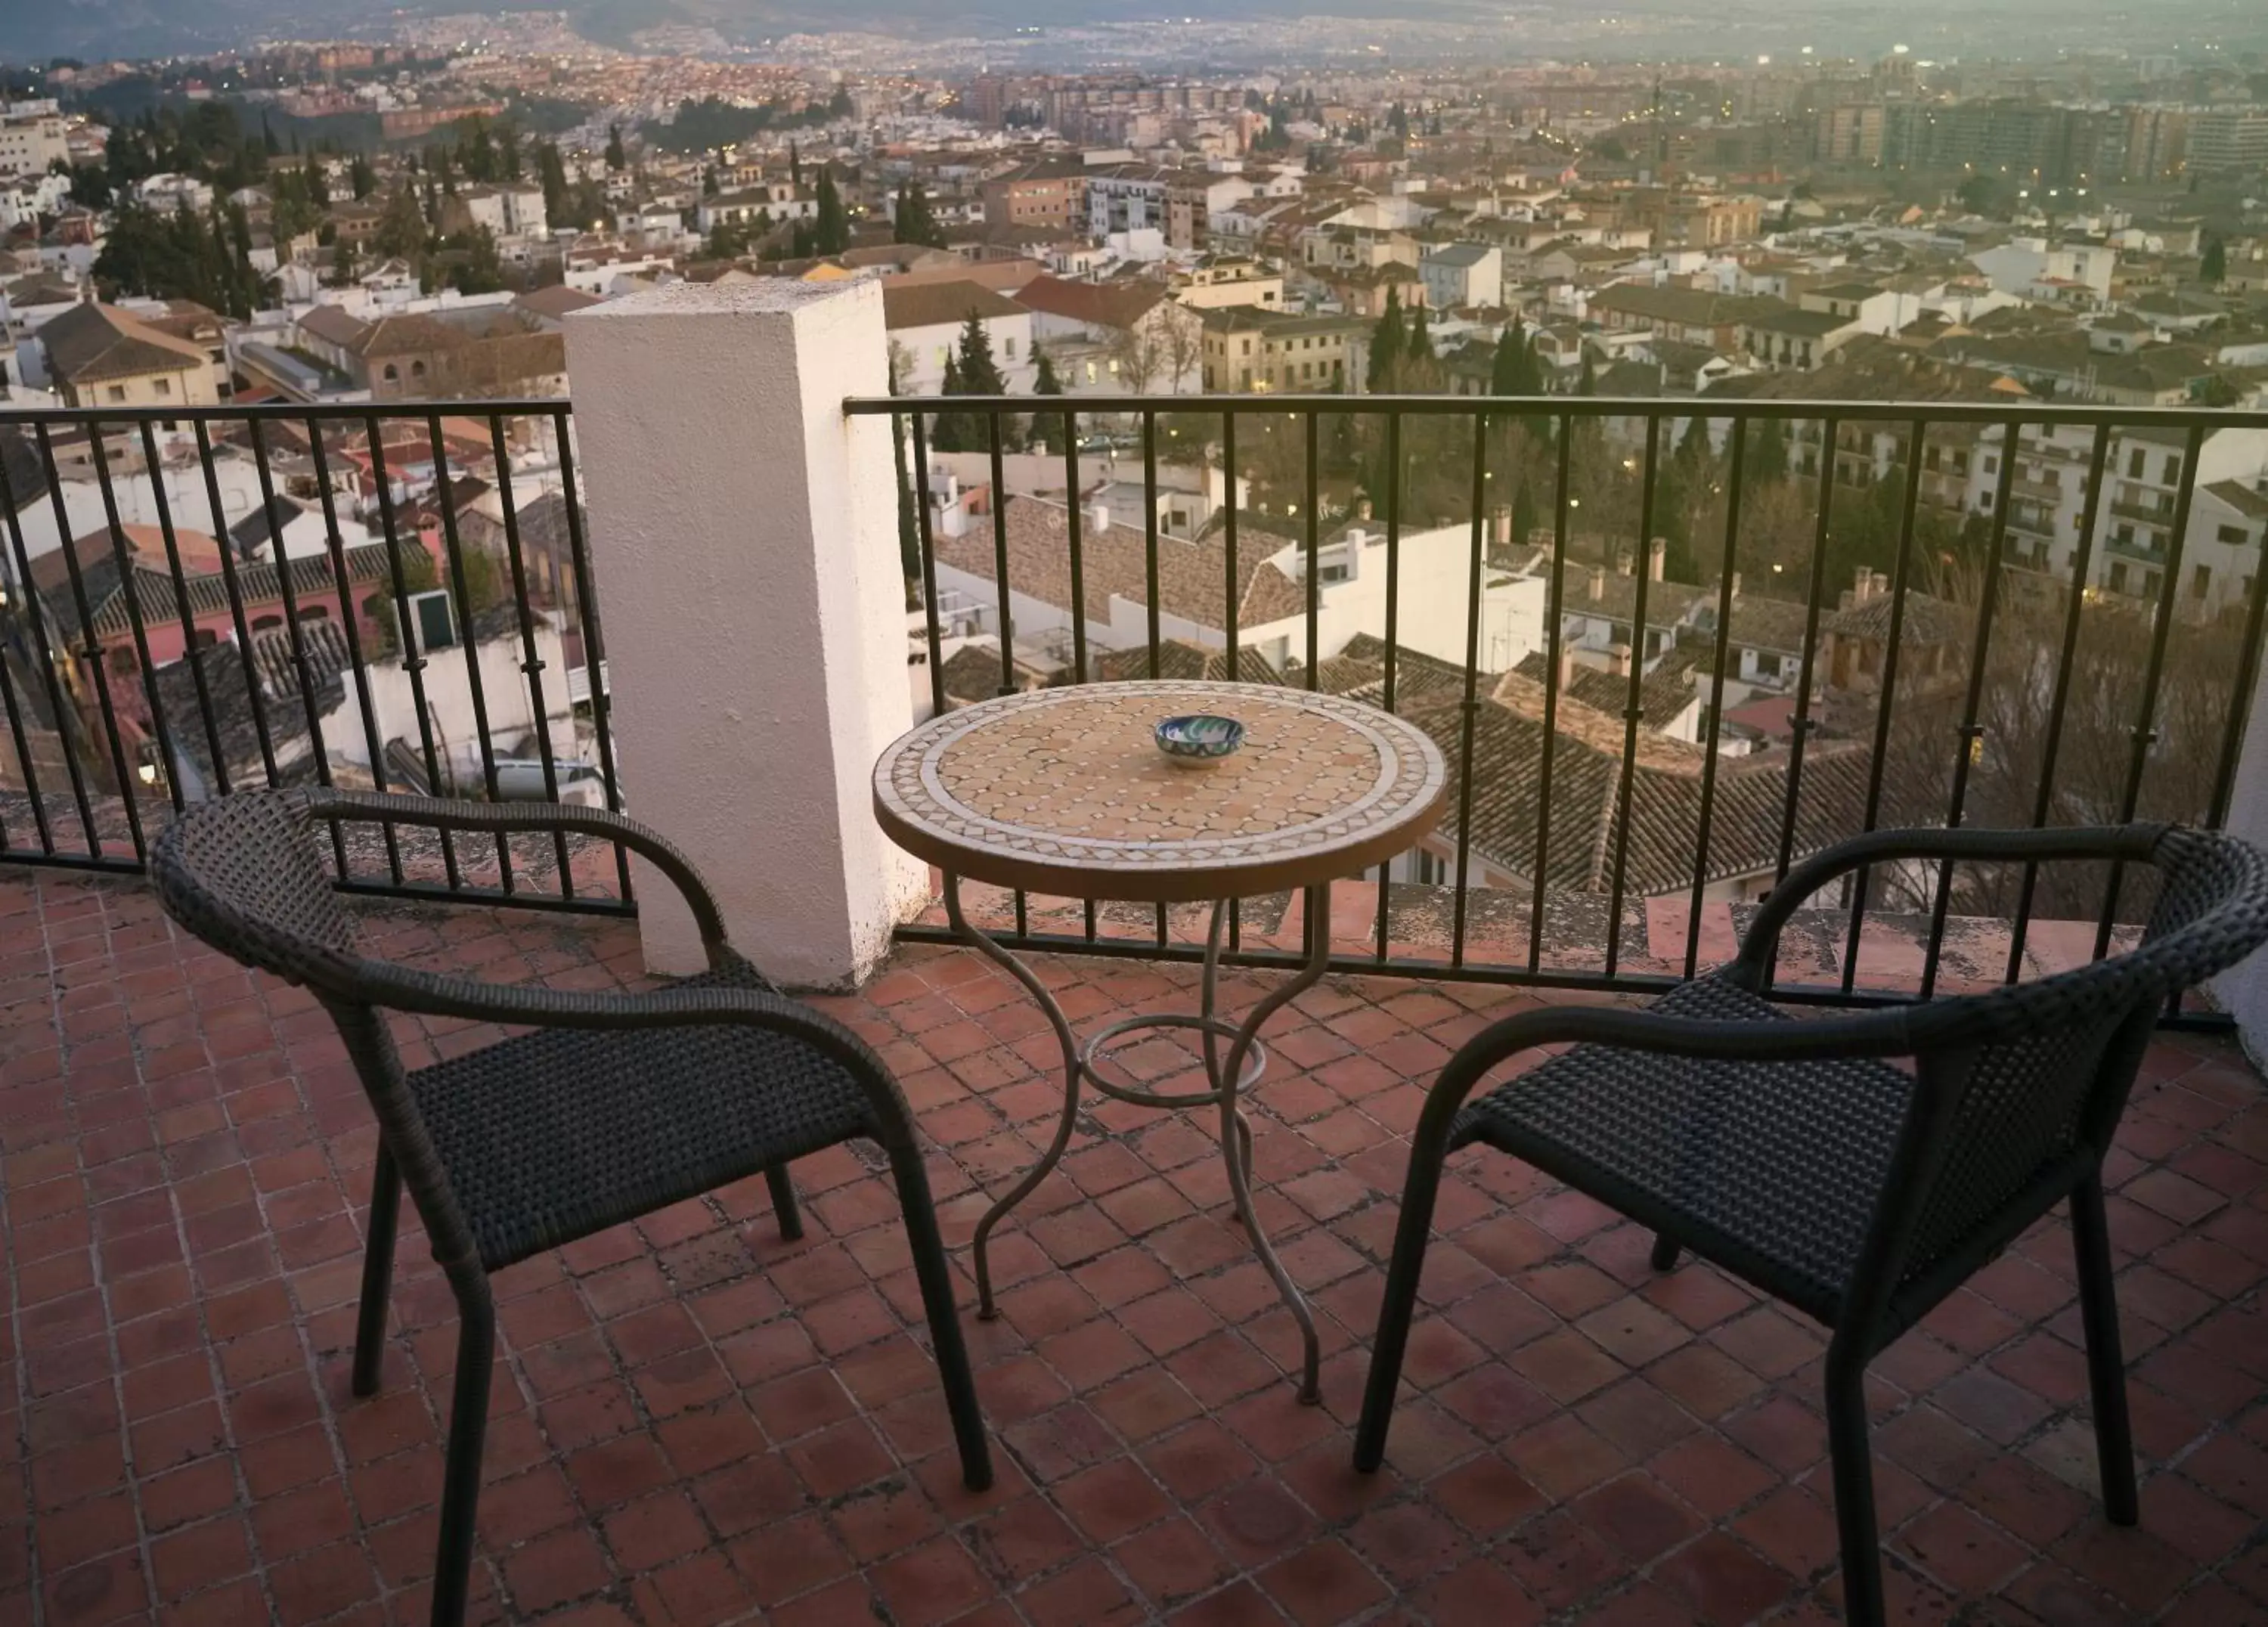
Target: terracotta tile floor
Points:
(695, 1423)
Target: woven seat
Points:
(1787, 1149)
(563, 1133)
(609, 1107)
(1770, 1169)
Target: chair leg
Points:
(936, 1281)
(784, 1209)
(1853, 1459)
(1664, 1257)
(376, 1272)
(2106, 1365)
(460, 1482)
(1419, 1191)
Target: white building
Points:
(1463, 274)
(31, 138)
(924, 320)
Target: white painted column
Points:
(2243, 990)
(744, 535)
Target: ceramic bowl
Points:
(1198, 739)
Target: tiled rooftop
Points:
(694, 1422)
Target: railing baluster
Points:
(1003, 592)
(253, 698)
(594, 643)
(297, 636)
(1900, 572)
(2240, 709)
(1800, 725)
(2145, 731)
(1314, 572)
(1393, 631)
(531, 662)
(467, 636)
(2082, 562)
(413, 657)
(924, 531)
(1971, 734)
(1470, 712)
(1150, 567)
(1077, 594)
(16, 729)
(350, 625)
(1228, 467)
(1554, 637)
(1717, 696)
(129, 594)
(93, 656)
(1633, 709)
(191, 654)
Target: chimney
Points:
(1566, 667)
(1097, 518)
(1502, 519)
(1736, 585)
(1598, 582)
(1618, 660)
(1625, 562)
(1362, 508)
(1657, 554)
(1862, 586)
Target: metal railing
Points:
(200, 600)
(1958, 687)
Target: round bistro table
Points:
(1064, 792)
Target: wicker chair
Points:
(610, 1107)
(1787, 1151)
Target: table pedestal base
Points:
(1228, 1077)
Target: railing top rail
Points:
(1904, 412)
(298, 412)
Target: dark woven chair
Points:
(1787, 1151)
(611, 1107)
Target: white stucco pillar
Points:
(2243, 991)
(744, 536)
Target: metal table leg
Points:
(1227, 1079)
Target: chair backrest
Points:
(243, 874)
(2021, 1088)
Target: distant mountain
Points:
(34, 30)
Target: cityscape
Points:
(1709, 434)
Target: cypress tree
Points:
(1386, 345)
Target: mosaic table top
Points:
(1064, 790)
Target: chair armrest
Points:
(410, 989)
(1887, 1033)
(439, 813)
(2137, 843)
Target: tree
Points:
(830, 228)
(953, 430)
(914, 221)
(840, 105)
(401, 229)
(1586, 382)
(1693, 448)
(476, 268)
(1047, 428)
(479, 153)
(507, 137)
(980, 374)
(1523, 513)
(343, 263)
(1418, 344)
(710, 187)
(1181, 341)
(551, 174)
(795, 167)
(1386, 345)
(1135, 356)
(1511, 370)
(362, 179)
(2212, 265)
(617, 158)
(1767, 452)
(728, 239)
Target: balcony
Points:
(693, 1419)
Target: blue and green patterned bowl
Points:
(1199, 739)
